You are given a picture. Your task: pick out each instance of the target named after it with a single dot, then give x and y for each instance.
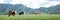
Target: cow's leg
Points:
(19, 14)
(13, 14)
(9, 15)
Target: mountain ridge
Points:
(20, 7)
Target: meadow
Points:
(31, 17)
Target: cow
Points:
(11, 13)
(21, 13)
(37, 12)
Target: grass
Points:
(31, 17)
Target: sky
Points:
(34, 4)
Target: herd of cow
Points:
(13, 13)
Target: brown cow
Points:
(11, 13)
(37, 12)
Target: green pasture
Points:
(31, 17)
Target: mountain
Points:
(54, 9)
(21, 7)
(4, 8)
(43, 9)
(51, 10)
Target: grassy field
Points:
(31, 17)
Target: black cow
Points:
(21, 13)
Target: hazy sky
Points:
(34, 4)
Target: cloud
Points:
(54, 0)
(5, 1)
(34, 4)
(29, 3)
(50, 3)
(1, 1)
